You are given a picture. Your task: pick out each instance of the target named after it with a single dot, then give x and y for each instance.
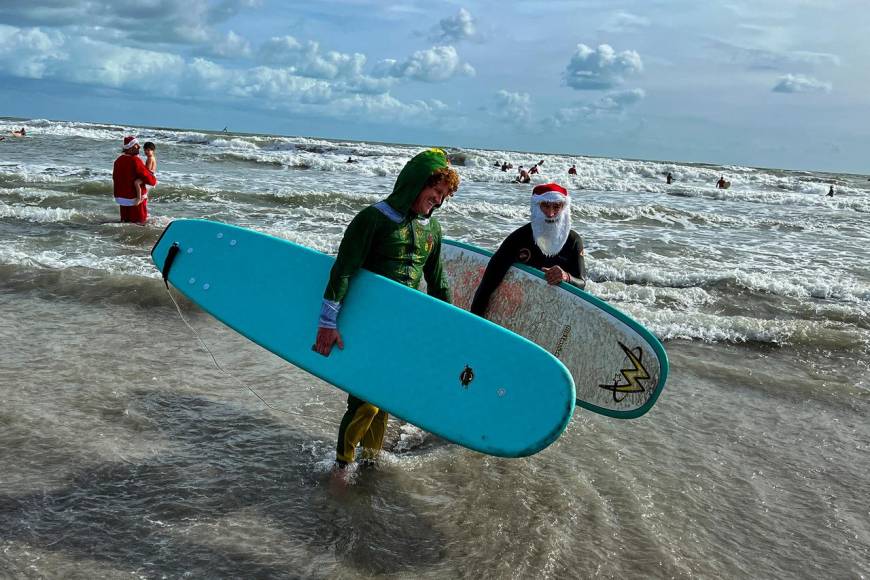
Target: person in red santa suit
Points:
(132, 199)
(547, 243)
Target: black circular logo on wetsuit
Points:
(524, 255)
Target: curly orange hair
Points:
(445, 174)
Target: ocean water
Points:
(126, 454)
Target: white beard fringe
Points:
(550, 236)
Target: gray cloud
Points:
(162, 21)
(602, 68)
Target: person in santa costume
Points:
(132, 200)
(547, 243)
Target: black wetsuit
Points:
(520, 247)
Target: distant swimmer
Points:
(573, 169)
(534, 169)
(523, 176)
(831, 192)
(505, 166)
(722, 184)
(20, 133)
(351, 160)
(670, 178)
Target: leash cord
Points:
(230, 375)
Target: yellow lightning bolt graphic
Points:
(631, 375)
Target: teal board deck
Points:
(268, 289)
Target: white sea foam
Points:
(671, 324)
(37, 214)
(132, 265)
(679, 255)
(813, 284)
(650, 295)
(34, 194)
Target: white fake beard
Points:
(550, 235)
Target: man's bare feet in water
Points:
(339, 478)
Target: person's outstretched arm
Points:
(495, 272)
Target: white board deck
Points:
(619, 367)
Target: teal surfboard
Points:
(468, 381)
(619, 366)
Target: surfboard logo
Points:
(566, 332)
(466, 376)
(632, 376)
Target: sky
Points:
(777, 83)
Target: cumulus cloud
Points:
(602, 68)
(32, 53)
(308, 60)
(800, 84)
(620, 100)
(434, 65)
(29, 53)
(514, 107)
(385, 107)
(119, 67)
(230, 46)
(456, 28)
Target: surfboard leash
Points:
(230, 375)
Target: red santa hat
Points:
(550, 192)
(130, 141)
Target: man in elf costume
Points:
(547, 243)
(396, 238)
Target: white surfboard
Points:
(619, 367)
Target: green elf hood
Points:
(413, 177)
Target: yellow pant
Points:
(362, 423)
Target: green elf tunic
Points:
(389, 239)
